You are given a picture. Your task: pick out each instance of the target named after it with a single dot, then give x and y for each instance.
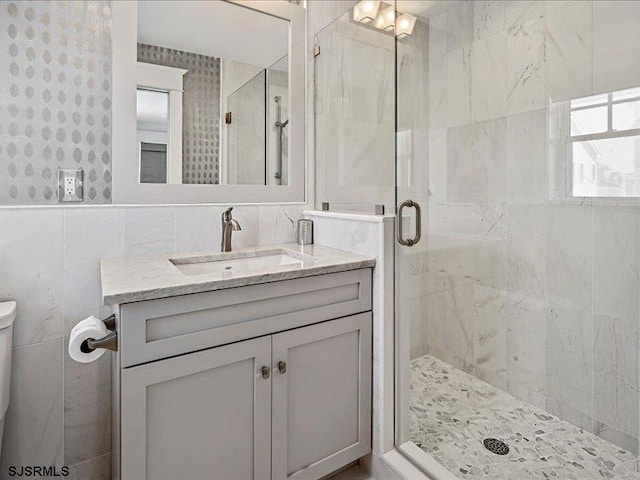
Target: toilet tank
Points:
(7, 316)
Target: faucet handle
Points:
(226, 215)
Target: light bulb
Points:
(388, 18)
(406, 24)
(366, 10)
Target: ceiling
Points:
(425, 8)
(214, 28)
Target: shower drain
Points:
(496, 446)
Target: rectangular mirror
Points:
(219, 102)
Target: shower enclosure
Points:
(257, 129)
(516, 128)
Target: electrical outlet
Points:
(70, 184)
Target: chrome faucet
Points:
(228, 225)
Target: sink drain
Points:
(496, 446)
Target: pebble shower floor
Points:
(452, 413)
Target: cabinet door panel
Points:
(322, 403)
(199, 416)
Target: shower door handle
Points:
(409, 242)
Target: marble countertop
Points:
(148, 277)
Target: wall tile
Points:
(32, 271)
(198, 228)
(89, 235)
(321, 13)
(33, 433)
(460, 25)
(490, 160)
(279, 224)
(437, 164)
(435, 322)
(521, 11)
(95, 469)
(570, 256)
(526, 157)
(490, 335)
(526, 69)
(526, 250)
(616, 45)
(459, 329)
(489, 76)
(491, 263)
(460, 164)
(526, 349)
(616, 389)
(616, 256)
(570, 365)
(249, 220)
(624, 440)
(526, 269)
(488, 17)
(437, 66)
(150, 230)
(458, 99)
(569, 50)
(87, 409)
(412, 316)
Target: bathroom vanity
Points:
(243, 365)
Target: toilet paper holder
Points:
(108, 342)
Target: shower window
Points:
(604, 144)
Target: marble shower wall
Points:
(529, 289)
(354, 114)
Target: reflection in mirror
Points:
(246, 124)
(153, 135)
(211, 111)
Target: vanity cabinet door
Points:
(321, 397)
(205, 415)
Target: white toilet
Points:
(7, 316)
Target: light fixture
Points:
(405, 25)
(366, 11)
(387, 19)
(384, 16)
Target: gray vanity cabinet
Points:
(293, 402)
(321, 416)
(204, 415)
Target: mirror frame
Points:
(127, 190)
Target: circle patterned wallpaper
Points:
(200, 110)
(55, 98)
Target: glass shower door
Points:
(518, 311)
(246, 161)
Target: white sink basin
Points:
(255, 261)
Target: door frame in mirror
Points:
(126, 188)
